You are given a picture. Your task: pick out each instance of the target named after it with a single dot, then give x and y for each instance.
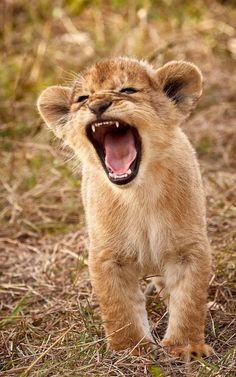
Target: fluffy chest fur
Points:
(131, 225)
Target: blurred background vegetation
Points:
(42, 227)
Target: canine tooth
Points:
(93, 128)
(117, 124)
(129, 172)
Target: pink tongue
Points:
(120, 151)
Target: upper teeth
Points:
(98, 124)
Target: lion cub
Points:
(142, 193)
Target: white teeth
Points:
(114, 175)
(99, 124)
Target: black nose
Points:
(100, 106)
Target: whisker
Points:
(70, 78)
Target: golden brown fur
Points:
(153, 225)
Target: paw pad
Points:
(189, 352)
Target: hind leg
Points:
(161, 290)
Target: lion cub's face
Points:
(120, 113)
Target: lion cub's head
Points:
(121, 113)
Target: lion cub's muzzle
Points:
(118, 146)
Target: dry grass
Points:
(50, 323)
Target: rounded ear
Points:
(53, 105)
(182, 83)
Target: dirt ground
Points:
(49, 321)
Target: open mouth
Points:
(118, 146)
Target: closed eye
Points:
(82, 98)
(128, 90)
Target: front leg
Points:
(121, 301)
(186, 280)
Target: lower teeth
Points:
(114, 175)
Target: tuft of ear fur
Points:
(53, 105)
(182, 83)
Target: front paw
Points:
(188, 352)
